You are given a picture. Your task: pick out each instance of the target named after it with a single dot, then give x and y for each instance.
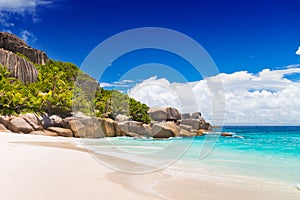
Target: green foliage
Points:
(14, 96)
(55, 86)
(139, 111)
(115, 102)
(54, 92)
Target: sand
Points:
(35, 172)
(42, 167)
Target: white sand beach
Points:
(41, 167)
(35, 172)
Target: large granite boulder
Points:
(165, 130)
(186, 127)
(134, 127)
(164, 114)
(89, 127)
(56, 121)
(61, 131)
(33, 120)
(14, 44)
(196, 124)
(20, 125)
(52, 120)
(185, 133)
(77, 127)
(186, 116)
(18, 67)
(197, 115)
(108, 126)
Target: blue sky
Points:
(239, 35)
(249, 35)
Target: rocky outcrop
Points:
(14, 44)
(108, 127)
(18, 67)
(135, 127)
(225, 134)
(61, 131)
(19, 125)
(185, 133)
(56, 121)
(84, 126)
(32, 120)
(164, 114)
(165, 130)
(195, 121)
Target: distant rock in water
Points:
(14, 44)
(18, 67)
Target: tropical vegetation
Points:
(62, 88)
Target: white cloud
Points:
(266, 98)
(298, 51)
(119, 84)
(15, 8)
(27, 36)
(20, 6)
(103, 84)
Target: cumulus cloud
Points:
(298, 51)
(265, 98)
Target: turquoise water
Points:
(270, 153)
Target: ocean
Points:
(269, 153)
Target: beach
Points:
(32, 170)
(43, 167)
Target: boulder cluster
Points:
(167, 122)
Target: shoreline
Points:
(72, 168)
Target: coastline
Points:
(42, 167)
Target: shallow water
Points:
(268, 153)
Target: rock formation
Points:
(164, 114)
(61, 131)
(20, 125)
(14, 44)
(92, 127)
(18, 67)
(165, 130)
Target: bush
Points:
(54, 93)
